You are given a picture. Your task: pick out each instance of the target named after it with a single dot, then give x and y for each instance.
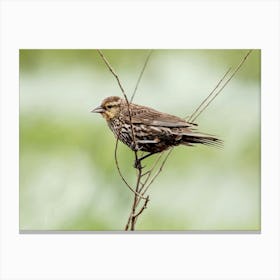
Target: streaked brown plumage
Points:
(154, 131)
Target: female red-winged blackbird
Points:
(153, 131)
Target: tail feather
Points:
(202, 139)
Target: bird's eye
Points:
(109, 106)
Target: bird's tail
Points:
(199, 138)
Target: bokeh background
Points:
(68, 177)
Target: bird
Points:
(145, 129)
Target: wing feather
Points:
(149, 116)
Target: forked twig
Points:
(143, 207)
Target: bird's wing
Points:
(149, 116)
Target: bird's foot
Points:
(137, 164)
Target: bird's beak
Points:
(98, 109)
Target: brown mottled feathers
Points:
(149, 116)
(154, 131)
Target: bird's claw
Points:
(138, 165)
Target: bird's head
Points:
(109, 108)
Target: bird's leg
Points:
(134, 146)
(137, 163)
(145, 156)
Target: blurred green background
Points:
(68, 177)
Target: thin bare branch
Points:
(113, 72)
(134, 206)
(143, 207)
(124, 94)
(223, 86)
(121, 175)
(141, 74)
(128, 222)
(205, 100)
(158, 172)
(149, 172)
